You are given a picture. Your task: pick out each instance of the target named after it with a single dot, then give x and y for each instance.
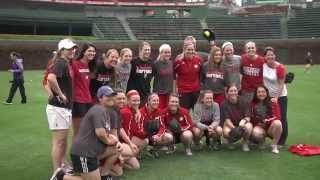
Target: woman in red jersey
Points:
(81, 84)
(187, 70)
(178, 123)
(252, 70)
(265, 116)
(154, 125)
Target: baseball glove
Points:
(174, 126)
(289, 77)
(152, 127)
(235, 134)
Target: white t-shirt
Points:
(270, 79)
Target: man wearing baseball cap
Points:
(94, 140)
(59, 106)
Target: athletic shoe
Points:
(198, 145)
(7, 103)
(245, 147)
(154, 153)
(216, 145)
(171, 149)
(58, 174)
(275, 149)
(188, 152)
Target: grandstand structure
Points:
(151, 20)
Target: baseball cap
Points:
(105, 91)
(66, 44)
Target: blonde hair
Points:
(162, 48)
(124, 50)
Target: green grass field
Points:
(25, 141)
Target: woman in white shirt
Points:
(273, 78)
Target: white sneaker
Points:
(7, 103)
(275, 149)
(245, 147)
(188, 152)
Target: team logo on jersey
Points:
(196, 66)
(181, 119)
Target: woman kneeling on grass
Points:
(154, 125)
(206, 118)
(265, 118)
(236, 114)
(132, 121)
(178, 122)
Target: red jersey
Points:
(81, 82)
(261, 112)
(154, 115)
(130, 125)
(251, 72)
(183, 117)
(188, 74)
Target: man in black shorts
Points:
(94, 140)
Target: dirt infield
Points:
(37, 53)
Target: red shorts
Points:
(218, 98)
(163, 101)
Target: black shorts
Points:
(188, 100)
(80, 109)
(84, 164)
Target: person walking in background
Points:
(273, 78)
(163, 75)
(18, 79)
(308, 60)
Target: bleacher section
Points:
(306, 24)
(111, 28)
(252, 27)
(42, 21)
(160, 28)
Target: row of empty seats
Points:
(111, 28)
(165, 28)
(305, 24)
(252, 27)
